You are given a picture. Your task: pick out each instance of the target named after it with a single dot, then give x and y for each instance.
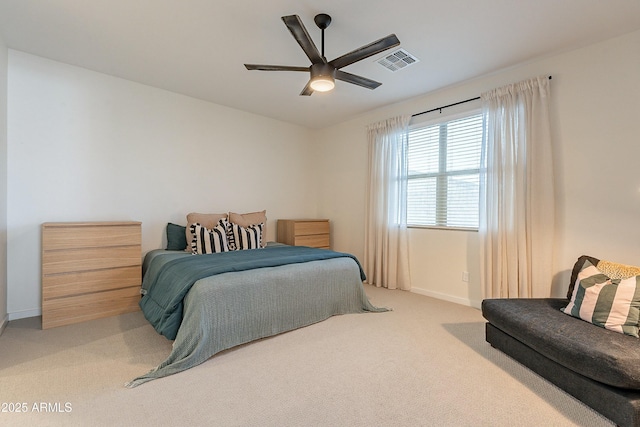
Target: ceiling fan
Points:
(324, 73)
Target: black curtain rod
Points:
(450, 105)
(445, 106)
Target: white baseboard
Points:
(446, 297)
(23, 314)
(3, 323)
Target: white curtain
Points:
(517, 200)
(386, 254)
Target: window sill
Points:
(435, 227)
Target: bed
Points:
(213, 302)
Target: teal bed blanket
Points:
(166, 283)
(217, 312)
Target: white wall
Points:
(3, 184)
(84, 146)
(595, 115)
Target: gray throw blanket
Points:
(166, 284)
(233, 308)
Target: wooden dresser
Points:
(89, 270)
(304, 232)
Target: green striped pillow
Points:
(609, 303)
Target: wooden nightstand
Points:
(304, 232)
(89, 270)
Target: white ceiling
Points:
(198, 47)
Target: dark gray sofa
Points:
(597, 366)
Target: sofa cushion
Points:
(609, 303)
(602, 355)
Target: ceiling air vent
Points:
(398, 60)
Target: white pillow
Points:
(241, 238)
(208, 241)
(251, 218)
(207, 220)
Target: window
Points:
(444, 165)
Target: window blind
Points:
(444, 166)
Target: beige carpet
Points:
(423, 364)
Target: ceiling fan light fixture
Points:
(323, 77)
(322, 84)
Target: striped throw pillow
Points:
(609, 303)
(211, 241)
(241, 238)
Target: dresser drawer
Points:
(305, 228)
(82, 282)
(313, 240)
(90, 236)
(73, 260)
(80, 308)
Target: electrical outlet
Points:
(465, 276)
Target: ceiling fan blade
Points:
(274, 67)
(366, 51)
(356, 80)
(303, 38)
(307, 91)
